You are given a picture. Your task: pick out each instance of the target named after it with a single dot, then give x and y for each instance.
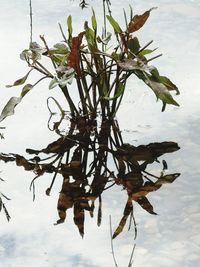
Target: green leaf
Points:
(69, 24)
(36, 50)
(114, 24)
(134, 45)
(94, 21)
(26, 89)
(146, 52)
(54, 82)
(90, 36)
(25, 54)
(8, 110)
(60, 49)
(20, 81)
(164, 80)
(162, 93)
(170, 86)
(119, 92)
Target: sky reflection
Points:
(170, 239)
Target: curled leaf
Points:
(9, 108)
(132, 64)
(20, 81)
(26, 89)
(138, 21)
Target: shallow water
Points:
(170, 239)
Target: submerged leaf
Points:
(10, 107)
(127, 211)
(146, 205)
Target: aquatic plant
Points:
(97, 65)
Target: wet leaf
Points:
(9, 108)
(138, 21)
(146, 205)
(65, 202)
(79, 217)
(114, 24)
(167, 179)
(26, 89)
(19, 81)
(127, 211)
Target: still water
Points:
(171, 238)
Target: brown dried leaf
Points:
(138, 21)
(79, 217)
(128, 209)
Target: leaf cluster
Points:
(98, 65)
(84, 159)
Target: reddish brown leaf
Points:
(74, 58)
(138, 21)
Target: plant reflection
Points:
(91, 158)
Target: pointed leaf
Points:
(26, 89)
(114, 24)
(53, 83)
(69, 24)
(9, 107)
(167, 179)
(1, 204)
(94, 21)
(146, 205)
(162, 93)
(19, 81)
(138, 21)
(127, 211)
